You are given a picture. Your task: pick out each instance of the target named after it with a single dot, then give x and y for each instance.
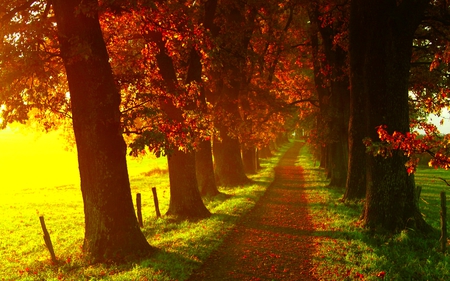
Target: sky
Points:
(445, 127)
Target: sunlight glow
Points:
(2, 107)
(31, 160)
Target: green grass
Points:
(430, 204)
(181, 246)
(345, 251)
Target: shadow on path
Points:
(273, 241)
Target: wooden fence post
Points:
(139, 209)
(418, 191)
(155, 199)
(443, 239)
(48, 241)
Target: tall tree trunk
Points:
(338, 147)
(205, 169)
(323, 93)
(355, 187)
(111, 228)
(273, 146)
(258, 162)
(185, 200)
(229, 167)
(203, 156)
(250, 159)
(265, 152)
(334, 96)
(323, 159)
(390, 26)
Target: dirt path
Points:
(273, 241)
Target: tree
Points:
(330, 20)
(112, 231)
(229, 167)
(111, 228)
(386, 46)
(355, 187)
(185, 200)
(174, 102)
(203, 155)
(428, 94)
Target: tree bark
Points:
(250, 159)
(111, 228)
(203, 156)
(323, 93)
(265, 152)
(355, 187)
(205, 169)
(229, 167)
(338, 146)
(185, 199)
(390, 26)
(333, 91)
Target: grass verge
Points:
(182, 246)
(345, 251)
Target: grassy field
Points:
(345, 251)
(40, 178)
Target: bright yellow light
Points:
(30, 161)
(33, 162)
(2, 107)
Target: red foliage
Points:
(413, 145)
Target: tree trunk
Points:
(204, 162)
(338, 146)
(323, 93)
(229, 168)
(281, 139)
(185, 200)
(258, 162)
(390, 203)
(203, 156)
(228, 161)
(355, 187)
(265, 152)
(324, 159)
(249, 158)
(273, 146)
(205, 170)
(111, 228)
(338, 162)
(333, 91)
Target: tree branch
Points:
(312, 101)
